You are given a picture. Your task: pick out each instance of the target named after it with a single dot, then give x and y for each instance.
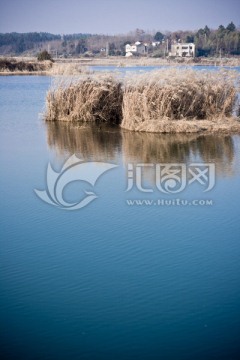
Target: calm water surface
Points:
(142, 69)
(113, 281)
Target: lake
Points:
(131, 275)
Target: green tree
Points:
(20, 45)
(158, 36)
(221, 28)
(44, 55)
(221, 31)
(231, 27)
(189, 39)
(81, 46)
(112, 49)
(207, 30)
(200, 32)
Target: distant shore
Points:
(30, 66)
(150, 61)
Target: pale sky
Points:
(115, 16)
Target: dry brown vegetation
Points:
(174, 100)
(149, 61)
(89, 99)
(69, 69)
(166, 100)
(47, 67)
(14, 66)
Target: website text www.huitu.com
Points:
(169, 202)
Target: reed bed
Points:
(89, 99)
(167, 100)
(69, 69)
(164, 100)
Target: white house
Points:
(183, 50)
(137, 48)
(156, 43)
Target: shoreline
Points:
(198, 127)
(201, 127)
(17, 73)
(80, 65)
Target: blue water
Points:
(120, 69)
(141, 69)
(113, 281)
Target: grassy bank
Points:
(167, 100)
(13, 66)
(121, 61)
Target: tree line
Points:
(18, 43)
(224, 41)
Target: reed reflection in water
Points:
(89, 142)
(104, 143)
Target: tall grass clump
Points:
(90, 99)
(69, 69)
(151, 102)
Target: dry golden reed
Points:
(69, 69)
(88, 99)
(156, 100)
(166, 100)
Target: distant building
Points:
(156, 43)
(137, 48)
(183, 50)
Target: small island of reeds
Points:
(167, 100)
